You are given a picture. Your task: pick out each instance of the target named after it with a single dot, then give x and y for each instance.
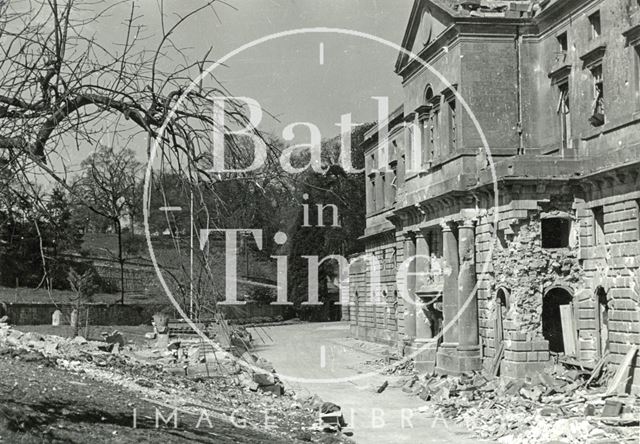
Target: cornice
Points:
(632, 36)
(593, 57)
(560, 74)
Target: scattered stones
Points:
(105, 347)
(79, 340)
(263, 379)
(114, 338)
(150, 335)
(382, 387)
(173, 345)
(276, 389)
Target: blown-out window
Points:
(555, 232)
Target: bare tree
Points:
(109, 185)
(63, 88)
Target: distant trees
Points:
(33, 236)
(110, 184)
(345, 191)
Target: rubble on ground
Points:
(187, 373)
(556, 406)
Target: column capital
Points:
(409, 235)
(467, 222)
(446, 225)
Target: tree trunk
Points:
(121, 260)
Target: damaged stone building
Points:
(511, 172)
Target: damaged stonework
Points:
(541, 185)
(525, 278)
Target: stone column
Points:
(447, 354)
(468, 348)
(409, 305)
(423, 264)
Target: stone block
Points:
(516, 335)
(519, 346)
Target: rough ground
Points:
(297, 350)
(56, 390)
(558, 406)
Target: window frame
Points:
(595, 25)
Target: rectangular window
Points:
(594, 23)
(598, 226)
(564, 114)
(433, 135)
(424, 140)
(636, 56)
(371, 194)
(597, 108)
(383, 189)
(637, 217)
(562, 47)
(451, 125)
(372, 183)
(555, 232)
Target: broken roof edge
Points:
(539, 12)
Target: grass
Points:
(41, 295)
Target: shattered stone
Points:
(105, 347)
(382, 387)
(173, 345)
(79, 340)
(263, 379)
(276, 389)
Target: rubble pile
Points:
(214, 382)
(391, 364)
(555, 406)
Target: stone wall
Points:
(614, 268)
(525, 271)
(379, 322)
(104, 314)
(99, 314)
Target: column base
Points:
(447, 359)
(425, 359)
(469, 358)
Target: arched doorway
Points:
(556, 300)
(502, 306)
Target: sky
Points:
(285, 75)
(288, 76)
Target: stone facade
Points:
(506, 197)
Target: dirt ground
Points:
(83, 396)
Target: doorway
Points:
(556, 318)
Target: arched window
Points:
(502, 306)
(428, 94)
(602, 316)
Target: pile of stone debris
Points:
(562, 405)
(247, 385)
